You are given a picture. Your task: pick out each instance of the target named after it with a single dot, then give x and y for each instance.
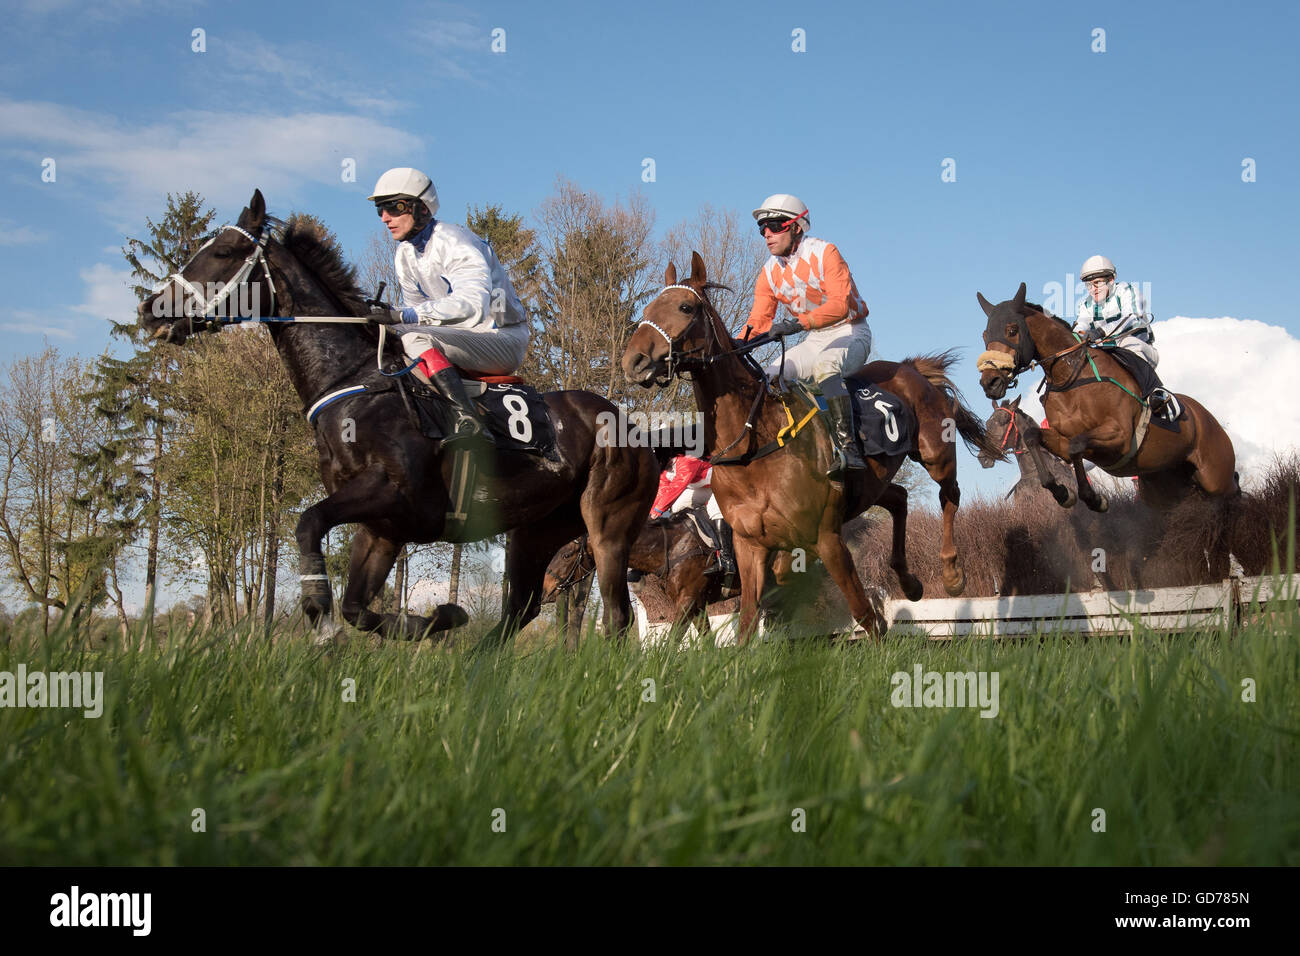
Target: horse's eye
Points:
(686, 307)
(222, 253)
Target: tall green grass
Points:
(257, 734)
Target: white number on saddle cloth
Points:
(891, 426)
(520, 427)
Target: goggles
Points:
(395, 207)
(778, 225)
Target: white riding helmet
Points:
(1096, 266)
(405, 181)
(783, 204)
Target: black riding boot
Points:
(839, 409)
(1154, 393)
(726, 553)
(469, 426)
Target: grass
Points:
(257, 734)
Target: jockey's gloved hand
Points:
(383, 315)
(785, 327)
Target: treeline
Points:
(191, 464)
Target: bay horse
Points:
(1022, 436)
(1091, 402)
(381, 472)
(783, 500)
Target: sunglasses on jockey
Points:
(779, 225)
(396, 207)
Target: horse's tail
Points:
(935, 369)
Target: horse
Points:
(670, 550)
(1022, 437)
(1105, 424)
(769, 475)
(380, 471)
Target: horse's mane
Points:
(1038, 308)
(312, 244)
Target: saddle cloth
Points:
(884, 425)
(513, 411)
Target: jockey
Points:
(683, 486)
(460, 308)
(1116, 311)
(811, 279)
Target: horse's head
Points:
(680, 324)
(1009, 349)
(571, 564)
(1001, 423)
(217, 281)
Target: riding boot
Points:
(839, 410)
(469, 426)
(726, 553)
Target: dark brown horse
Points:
(783, 500)
(1022, 436)
(1092, 406)
(670, 550)
(379, 469)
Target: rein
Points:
(570, 581)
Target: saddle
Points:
(1147, 381)
(513, 411)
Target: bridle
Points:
(240, 278)
(572, 579)
(682, 360)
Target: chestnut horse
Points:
(380, 471)
(771, 483)
(1092, 405)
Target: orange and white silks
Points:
(814, 284)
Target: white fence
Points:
(1099, 612)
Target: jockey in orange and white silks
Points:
(810, 278)
(459, 306)
(1117, 311)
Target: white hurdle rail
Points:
(1225, 605)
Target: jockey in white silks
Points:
(811, 279)
(1117, 311)
(459, 306)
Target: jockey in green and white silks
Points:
(1117, 311)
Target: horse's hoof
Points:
(330, 634)
(956, 584)
(1064, 496)
(1103, 504)
(912, 587)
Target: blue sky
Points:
(1059, 151)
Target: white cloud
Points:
(13, 234)
(1242, 370)
(107, 294)
(221, 155)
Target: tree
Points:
(135, 392)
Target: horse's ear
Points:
(670, 274)
(985, 304)
(1014, 403)
(1019, 300)
(698, 272)
(254, 214)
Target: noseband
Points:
(680, 360)
(240, 278)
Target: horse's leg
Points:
(372, 558)
(894, 500)
(1071, 450)
(839, 563)
(368, 497)
(1032, 438)
(613, 523)
(527, 556)
(751, 561)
